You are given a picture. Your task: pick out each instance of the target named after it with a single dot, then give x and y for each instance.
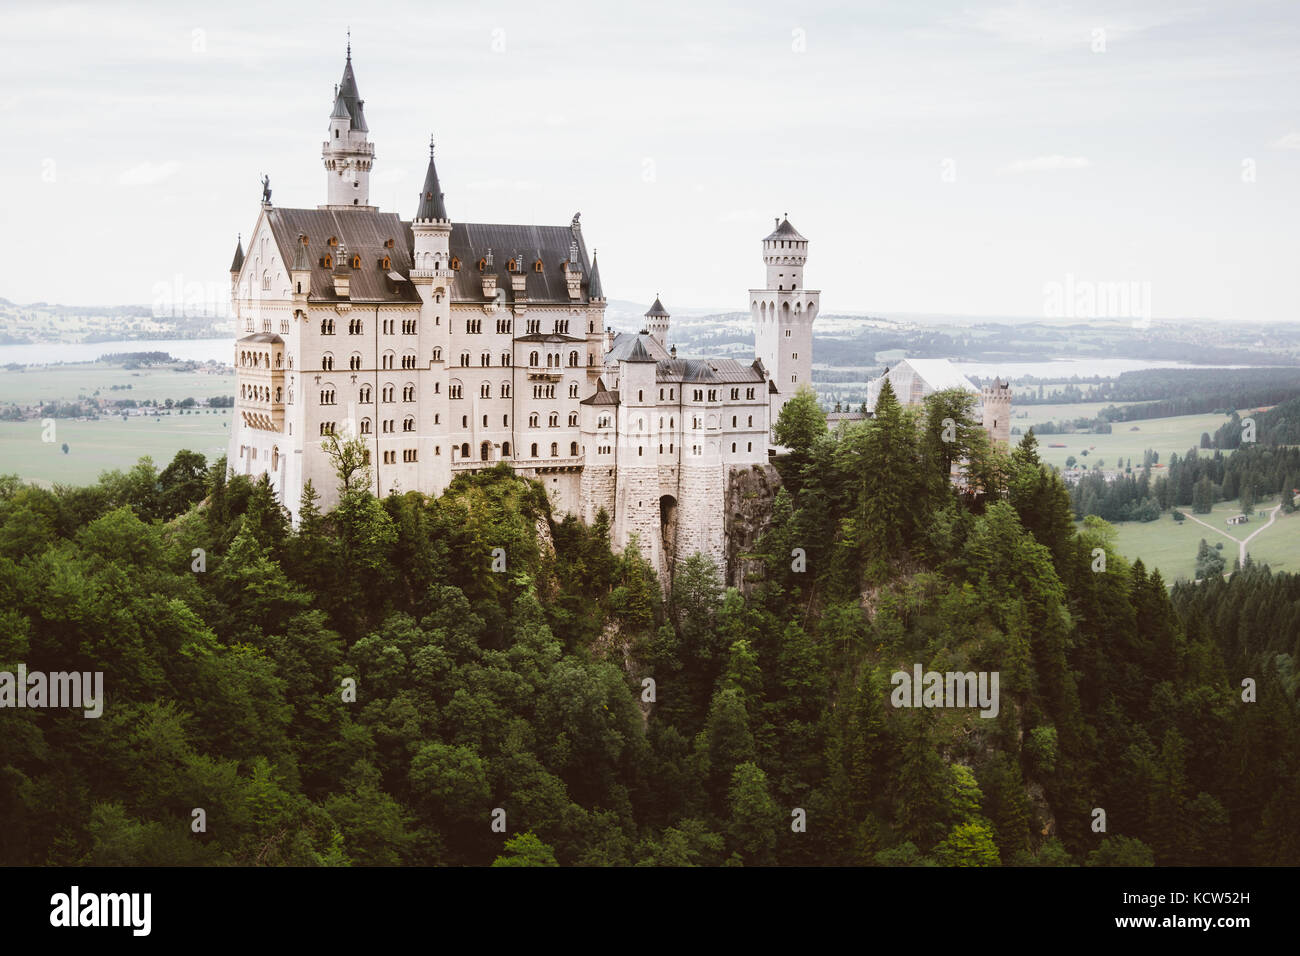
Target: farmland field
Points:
(1165, 435)
(96, 446)
(66, 383)
(1171, 546)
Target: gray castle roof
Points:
(624, 342)
(719, 371)
(237, 263)
(361, 231)
(602, 395)
(657, 310)
(594, 291)
(366, 232)
(471, 241)
(638, 352)
(784, 231)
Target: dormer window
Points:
(328, 261)
(512, 266)
(334, 241)
(482, 264)
(356, 261)
(537, 266)
(385, 263)
(455, 264)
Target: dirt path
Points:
(1241, 543)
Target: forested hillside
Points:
(771, 737)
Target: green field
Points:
(1171, 546)
(1056, 413)
(1165, 435)
(67, 383)
(96, 446)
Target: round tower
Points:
(348, 154)
(656, 322)
(997, 412)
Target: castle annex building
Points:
(448, 347)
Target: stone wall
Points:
(700, 525)
(748, 511)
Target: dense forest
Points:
(383, 683)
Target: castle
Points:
(447, 347)
(914, 379)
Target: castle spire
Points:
(432, 205)
(348, 154)
(594, 291)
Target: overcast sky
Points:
(940, 157)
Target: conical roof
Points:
(657, 310)
(638, 353)
(237, 263)
(300, 261)
(594, 291)
(350, 97)
(784, 231)
(432, 205)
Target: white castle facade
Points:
(448, 347)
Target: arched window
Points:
(327, 362)
(437, 355)
(534, 452)
(505, 389)
(573, 360)
(505, 359)
(464, 450)
(532, 358)
(573, 449)
(505, 449)
(554, 420)
(365, 426)
(485, 359)
(555, 450)
(573, 419)
(532, 420)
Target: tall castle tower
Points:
(431, 274)
(348, 154)
(783, 315)
(997, 412)
(656, 322)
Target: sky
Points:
(962, 158)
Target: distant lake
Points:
(47, 353)
(1068, 368)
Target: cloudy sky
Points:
(941, 157)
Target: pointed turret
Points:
(656, 322)
(432, 205)
(237, 264)
(300, 261)
(594, 291)
(350, 96)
